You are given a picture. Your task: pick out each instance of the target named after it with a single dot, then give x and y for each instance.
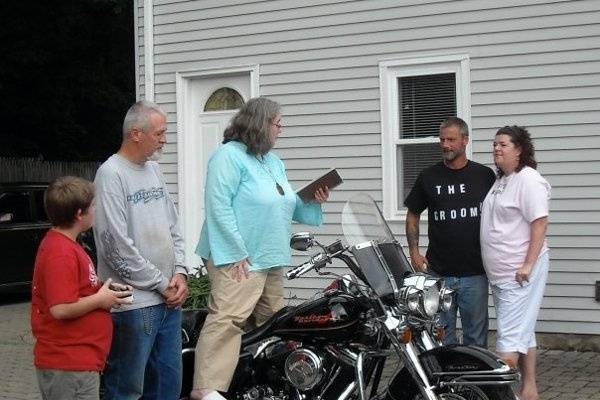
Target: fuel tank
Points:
(333, 317)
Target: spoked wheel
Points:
(498, 392)
(442, 396)
(451, 396)
(471, 393)
(403, 387)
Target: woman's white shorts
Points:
(517, 309)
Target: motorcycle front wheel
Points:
(467, 393)
(403, 387)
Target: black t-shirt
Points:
(453, 199)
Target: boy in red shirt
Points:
(70, 307)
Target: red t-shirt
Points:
(64, 273)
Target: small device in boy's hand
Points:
(118, 287)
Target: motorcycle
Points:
(335, 346)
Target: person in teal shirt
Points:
(249, 207)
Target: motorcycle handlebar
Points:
(317, 260)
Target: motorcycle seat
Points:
(259, 332)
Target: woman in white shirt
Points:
(514, 250)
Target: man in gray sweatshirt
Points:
(139, 243)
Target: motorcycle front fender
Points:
(467, 364)
(463, 358)
(459, 365)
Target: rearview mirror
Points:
(302, 241)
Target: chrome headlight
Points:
(409, 297)
(421, 295)
(431, 298)
(413, 299)
(446, 299)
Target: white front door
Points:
(210, 129)
(201, 132)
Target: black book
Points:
(330, 179)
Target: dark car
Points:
(23, 223)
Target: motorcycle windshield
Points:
(377, 253)
(363, 222)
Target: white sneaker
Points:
(214, 395)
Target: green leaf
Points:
(199, 289)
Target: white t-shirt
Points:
(511, 205)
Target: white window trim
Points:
(389, 72)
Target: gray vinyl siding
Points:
(535, 64)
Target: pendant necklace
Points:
(268, 171)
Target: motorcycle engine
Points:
(304, 369)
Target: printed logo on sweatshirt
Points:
(154, 193)
(114, 258)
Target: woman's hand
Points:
(239, 269)
(322, 194)
(522, 275)
(536, 242)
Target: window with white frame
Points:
(416, 96)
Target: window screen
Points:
(412, 158)
(424, 102)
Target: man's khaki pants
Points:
(230, 305)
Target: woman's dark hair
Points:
(521, 138)
(252, 125)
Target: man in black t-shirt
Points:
(452, 192)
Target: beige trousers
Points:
(230, 305)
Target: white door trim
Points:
(185, 122)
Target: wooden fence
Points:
(32, 170)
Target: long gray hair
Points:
(252, 125)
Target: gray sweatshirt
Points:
(136, 230)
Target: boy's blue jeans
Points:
(145, 357)
(470, 298)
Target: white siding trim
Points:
(389, 71)
(148, 50)
(136, 49)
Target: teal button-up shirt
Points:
(246, 216)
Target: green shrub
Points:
(199, 288)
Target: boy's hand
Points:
(119, 287)
(109, 298)
(104, 298)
